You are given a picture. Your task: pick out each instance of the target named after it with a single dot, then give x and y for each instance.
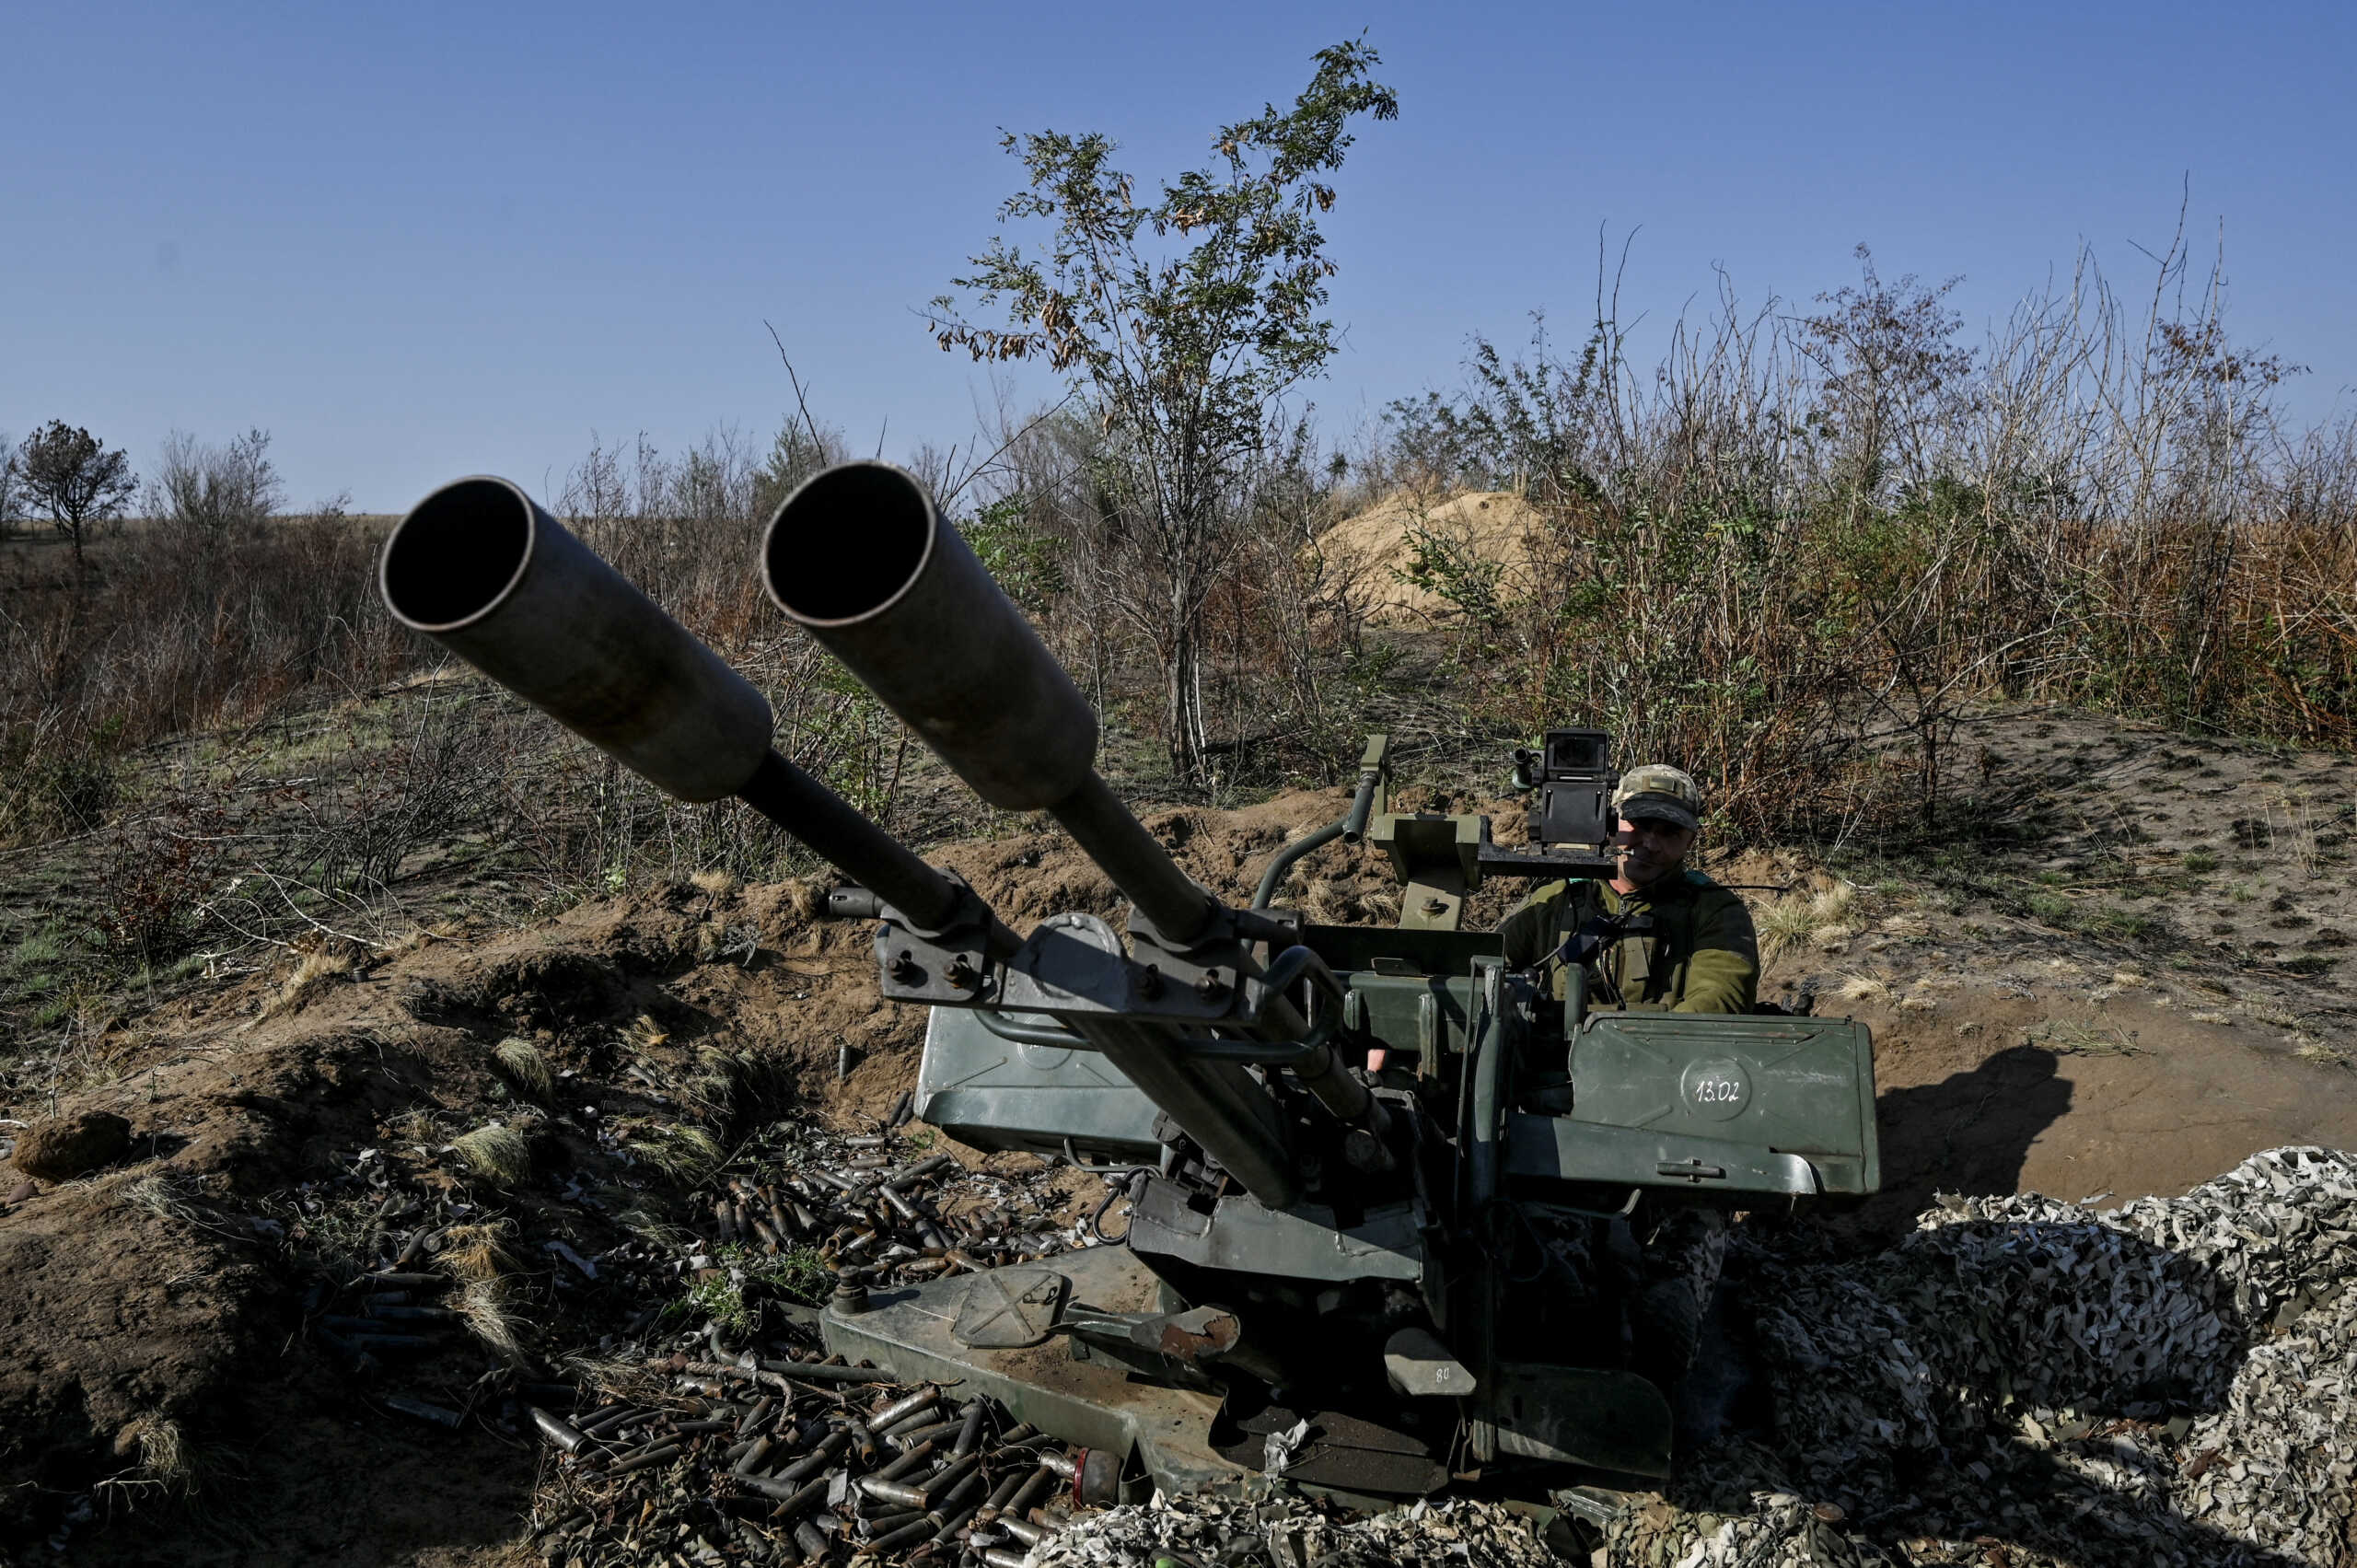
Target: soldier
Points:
(1657, 936)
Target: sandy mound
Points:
(1378, 547)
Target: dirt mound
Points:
(1492, 529)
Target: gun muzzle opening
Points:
(458, 555)
(833, 577)
(860, 556)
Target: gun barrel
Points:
(482, 570)
(860, 556)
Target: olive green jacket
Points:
(1702, 956)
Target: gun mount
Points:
(1378, 1183)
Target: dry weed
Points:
(643, 1033)
(1863, 987)
(804, 896)
(162, 1196)
(685, 1156)
(482, 1306)
(420, 936)
(475, 1253)
(499, 1155)
(165, 1460)
(524, 1066)
(1796, 920)
(719, 882)
(317, 971)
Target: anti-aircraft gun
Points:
(1389, 1203)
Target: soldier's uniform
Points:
(1701, 954)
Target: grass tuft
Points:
(476, 1253)
(317, 972)
(684, 1155)
(719, 882)
(498, 1154)
(525, 1067)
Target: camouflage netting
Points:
(2024, 1382)
(1206, 1533)
(2020, 1383)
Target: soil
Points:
(2065, 995)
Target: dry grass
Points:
(418, 937)
(718, 882)
(805, 895)
(685, 1156)
(498, 1154)
(476, 1252)
(162, 1196)
(165, 1460)
(1863, 987)
(1798, 920)
(521, 1062)
(314, 974)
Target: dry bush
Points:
(1791, 556)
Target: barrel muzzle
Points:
(479, 567)
(860, 556)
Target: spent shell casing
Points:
(698, 1428)
(908, 1463)
(751, 1420)
(915, 1530)
(951, 1523)
(605, 1420)
(374, 1299)
(906, 1437)
(999, 1557)
(900, 1205)
(815, 1371)
(1004, 1492)
(898, 1410)
(751, 1459)
(967, 1493)
(941, 1480)
(790, 1500)
(1021, 1529)
(811, 1540)
(558, 1430)
(814, 1461)
(663, 1452)
(396, 1281)
(917, 1425)
(1034, 1486)
(396, 1313)
(969, 1429)
(423, 1411)
(891, 1492)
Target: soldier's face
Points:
(1651, 849)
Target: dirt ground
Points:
(2121, 979)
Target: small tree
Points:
(1187, 350)
(70, 475)
(12, 486)
(214, 490)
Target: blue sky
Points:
(421, 241)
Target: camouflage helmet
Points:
(1659, 792)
